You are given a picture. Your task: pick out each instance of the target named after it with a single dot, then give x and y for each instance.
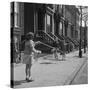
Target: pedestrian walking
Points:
(55, 50)
(63, 50)
(28, 56)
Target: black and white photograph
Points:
(49, 44)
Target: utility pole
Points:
(84, 16)
(80, 50)
(62, 21)
(85, 37)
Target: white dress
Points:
(28, 56)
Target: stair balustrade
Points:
(46, 38)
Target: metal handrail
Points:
(56, 37)
(45, 34)
(60, 36)
(53, 36)
(71, 40)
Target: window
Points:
(72, 31)
(49, 23)
(60, 28)
(48, 19)
(76, 34)
(16, 14)
(16, 20)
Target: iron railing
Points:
(46, 38)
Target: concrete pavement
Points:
(82, 76)
(50, 72)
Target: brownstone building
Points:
(17, 25)
(47, 21)
(71, 14)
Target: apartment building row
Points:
(47, 21)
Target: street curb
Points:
(74, 74)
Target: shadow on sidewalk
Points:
(15, 83)
(47, 63)
(53, 59)
(79, 57)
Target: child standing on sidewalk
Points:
(28, 56)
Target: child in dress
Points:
(28, 56)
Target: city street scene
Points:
(49, 45)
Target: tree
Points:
(83, 15)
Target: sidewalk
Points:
(50, 72)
